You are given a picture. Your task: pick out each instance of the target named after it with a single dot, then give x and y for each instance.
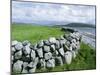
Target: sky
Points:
(49, 13)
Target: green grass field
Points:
(85, 60)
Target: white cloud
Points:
(28, 11)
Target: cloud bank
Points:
(44, 13)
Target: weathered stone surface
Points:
(40, 44)
(61, 51)
(33, 55)
(48, 55)
(50, 63)
(24, 71)
(40, 52)
(57, 44)
(43, 63)
(62, 42)
(26, 42)
(25, 64)
(59, 61)
(18, 55)
(32, 70)
(46, 42)
(26, 50)
(68, 57)
(46, 48)
(18, 46)
(53, 48)
(17, 66)
(52, 40)
(13, 50)
(14, 42)
(36, 60)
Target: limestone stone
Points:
(18, 46)
(48, 55)
(33, 54)
(58, 60)
(68, 57)
(40, 52)
(61, 51)
(32, 70)
(41, 44)
(17, 67)
(26, 42)
(52, 40)
(26, 49)
(14, 42)
(50, 63)
(46, 48)
(18, 55)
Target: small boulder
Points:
(13, 50)
(52, 40)
(26, 50)
(32, 70)
(17, 67)
(33, 55)
(26, 42)
(59, 61)
(46, 48)
(50, 63)
(40, 44)
(48, 55)
(46, 42)
(40, 52)
(68, 57)
(18, 46)
(61, 51)
(14, 42)
(18, 55)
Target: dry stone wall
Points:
(26, 58)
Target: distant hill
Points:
(78, 25)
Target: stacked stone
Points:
(26, 58)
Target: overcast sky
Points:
(30, 12)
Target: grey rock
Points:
(40, 52)
(18, 46)
(68, 57)
(17, 67)
(61, 51)
(52, 40)
(40, 44)
(57, 44)
(62, 42)
(18, 55)
(34, 63)
(13, 50)
(46, 42)
(59, 61)
(32, 70)
(14, 42)
(46, 48)
(24, 71)
(48, 55)
(26, 49)
(43, 63)
(26, 42)
(25, 64)
(67, 43)
(53, 48)
(50, 63)
(33, 55)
